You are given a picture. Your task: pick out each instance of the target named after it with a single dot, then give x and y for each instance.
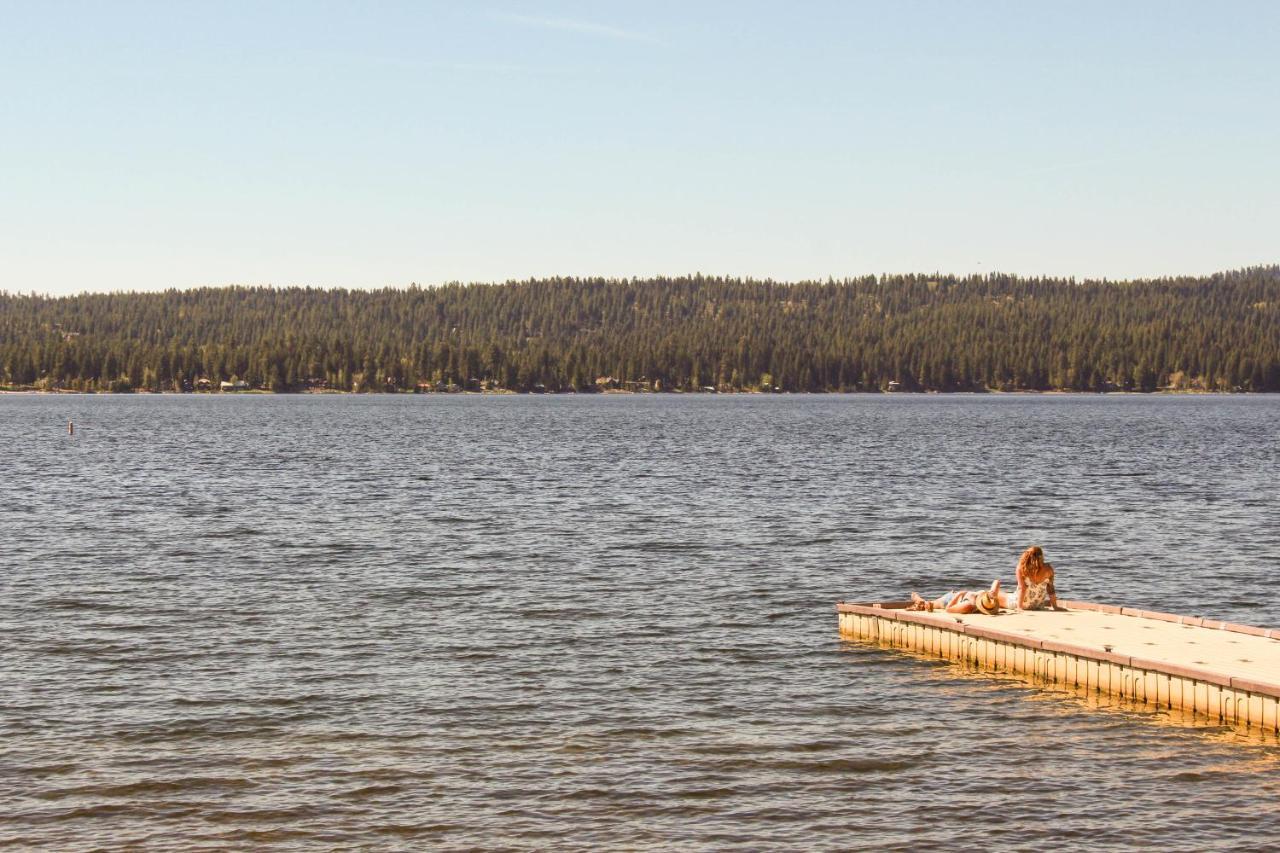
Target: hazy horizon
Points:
(154, 146)
(942, 274)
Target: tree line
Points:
(874, 333)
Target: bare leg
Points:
(919, 603)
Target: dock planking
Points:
(1220, 670)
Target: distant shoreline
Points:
(874, 334)
(258, 392)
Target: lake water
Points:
(605, 622)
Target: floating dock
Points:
(1223, 671)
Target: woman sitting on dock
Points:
(988, 601)
(1035, 581)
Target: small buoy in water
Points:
(71, 428)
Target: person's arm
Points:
(1053, 592)
(1022, 590)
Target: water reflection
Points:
(526, 623)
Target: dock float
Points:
(1219, 670)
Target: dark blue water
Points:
(604, 622)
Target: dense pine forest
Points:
(913, 333)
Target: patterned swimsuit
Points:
(1037, 595)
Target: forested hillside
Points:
(919, 332)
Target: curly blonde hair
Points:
(1031, 562)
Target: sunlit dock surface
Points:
(1220, 670)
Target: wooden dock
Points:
(1223, 671)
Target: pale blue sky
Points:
(151, 145)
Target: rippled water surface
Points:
(604, 622)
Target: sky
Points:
(368, 144)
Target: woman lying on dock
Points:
(1035, 591)
(1035, 581)
(988, 601)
